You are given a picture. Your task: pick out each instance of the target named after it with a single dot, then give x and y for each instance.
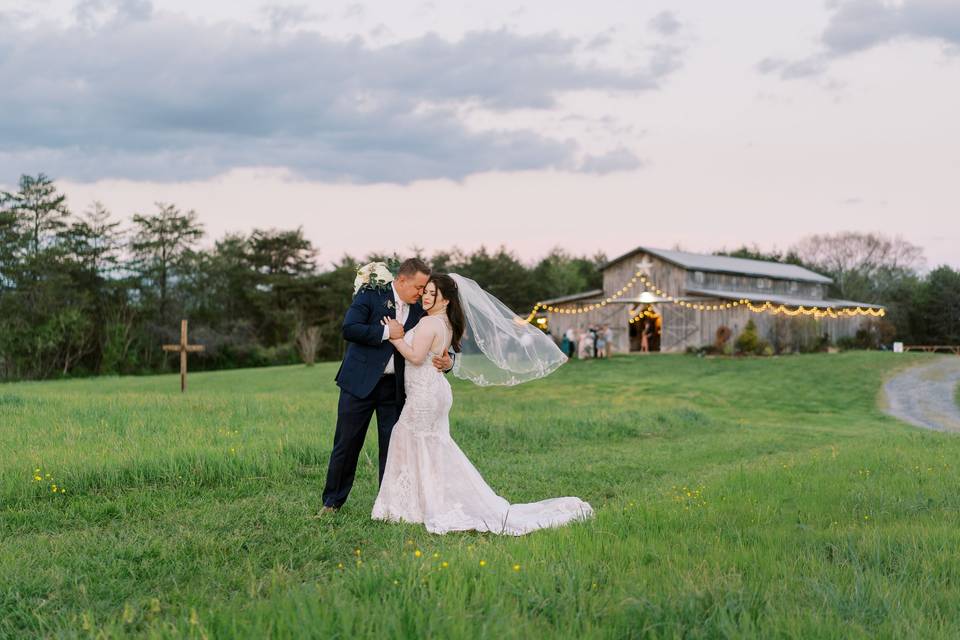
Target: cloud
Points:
(355, 10)
(166, 98)
(621, 159)
(859, 25)
(89, 13)
(665, 23)
(284, 16)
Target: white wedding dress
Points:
(428, 479)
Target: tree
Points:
(38, 209)
(938, 307)
(503, 275)
(283, 263)
(756, 253)
(560, 273)
(160, 244)
(95, 241)
(864, 266)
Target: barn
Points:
(682, 299)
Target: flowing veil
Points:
(499, 347)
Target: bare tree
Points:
(863, 265)
(308, 342)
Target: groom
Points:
(371, 376)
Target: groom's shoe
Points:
(327, 511)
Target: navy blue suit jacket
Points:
(367, 352)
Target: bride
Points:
(427, 478)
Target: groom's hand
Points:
(396, 329)
(443, 363)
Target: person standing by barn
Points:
(571, 337)
(608, 340)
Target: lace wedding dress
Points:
(428, 479)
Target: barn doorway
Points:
(647, 321)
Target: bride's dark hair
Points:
(451, 293)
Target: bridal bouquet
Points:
(374, 276)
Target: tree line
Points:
(83, 293)
(922, 307)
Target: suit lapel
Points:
(387, 307)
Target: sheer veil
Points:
(499, 347)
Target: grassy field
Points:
(750, 498)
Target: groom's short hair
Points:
(412, 266)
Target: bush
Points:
(847, 343)
(873, 333)
(750, 343)
(723, 337)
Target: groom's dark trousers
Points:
(365, 390)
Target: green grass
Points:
(751, 498)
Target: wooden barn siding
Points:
(728, 282)
(736, 319)
(616, 316)
(675, 281)
(668, 277)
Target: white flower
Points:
(378, 269)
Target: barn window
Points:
(698, 277)
(793, 287)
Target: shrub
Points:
(723, 337)
(847, 343)
(748, 341)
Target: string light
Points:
(578, 310)
(766, 307)
(646, 313)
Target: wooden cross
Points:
(183, 348)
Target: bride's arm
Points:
(422, 340)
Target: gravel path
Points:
(925, 395)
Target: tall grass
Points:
(749, 498)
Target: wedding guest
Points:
(585, 345)
(645, 337)
(601, 342)
(608, 338)
(572, 339)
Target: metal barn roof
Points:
(726, 264)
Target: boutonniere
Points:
(375, 276)
(390, 305)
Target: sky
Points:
(595, 127)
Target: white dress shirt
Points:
(402, 309)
